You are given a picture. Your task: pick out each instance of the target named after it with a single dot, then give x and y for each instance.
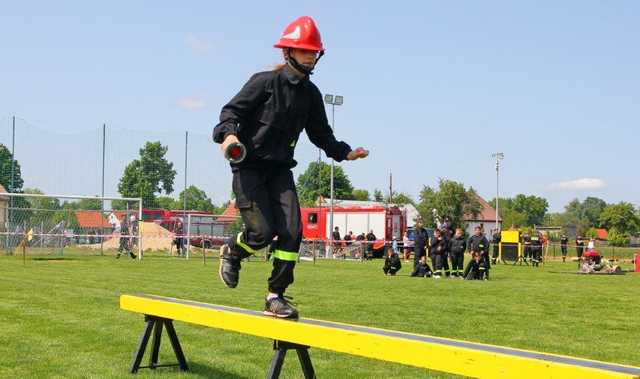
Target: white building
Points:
(485, 219)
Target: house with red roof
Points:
(485, 219)
(230, 214)
(92, 222)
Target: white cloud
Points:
(579, 184)
(191, 103)
(196, 43)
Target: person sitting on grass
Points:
(422, 269)
(479, 243)
(476, 268)
(391, 263)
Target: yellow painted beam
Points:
(434, 353)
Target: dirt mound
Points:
(154, 237)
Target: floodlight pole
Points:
(333, 127)
(333, 100)
(184, 202)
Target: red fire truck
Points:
(386, 222)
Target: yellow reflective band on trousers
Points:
(248, 248)
(285, 255)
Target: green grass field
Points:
(59, 316)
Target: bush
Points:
(591, 233)
(527, 230)
(618, 239)
(554, 236)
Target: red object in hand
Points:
(638, 262)
(235, 153)
(360, 151)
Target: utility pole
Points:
(13, 153)
(498, 157)
(390, 188)
(104, 127)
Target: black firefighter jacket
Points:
(268, 115)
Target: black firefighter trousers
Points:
(269, 207)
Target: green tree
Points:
(401, 198)
(514, 218)
(360, 194)
(46, 211)
(533, 207)
(585, 214)
(196, 200)
(522, 210)
(574, 215)
(150, 174)
(591, 233)
(450, 199)
(510, 217)
(84, 204)
(592, 208)
(167, 202)
(377, 195)
(622, 217)
(316, 181)
(6, 158)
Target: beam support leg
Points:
(142, 345)
(280, 351)
(155, 345)
(175, 343)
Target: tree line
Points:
(151, 177)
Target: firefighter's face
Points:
(304, 57)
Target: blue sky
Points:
(431, 88)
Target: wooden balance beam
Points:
(434, 353)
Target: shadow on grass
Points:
(52, 259)
(197, 369)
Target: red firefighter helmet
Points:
(301, 34)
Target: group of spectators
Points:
(446, 251)
(446, 248)
(340, 242)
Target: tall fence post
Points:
(184, 197)
(188, 235)
(104, 126)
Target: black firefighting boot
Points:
(229, 270)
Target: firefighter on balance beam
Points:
(259, 129)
